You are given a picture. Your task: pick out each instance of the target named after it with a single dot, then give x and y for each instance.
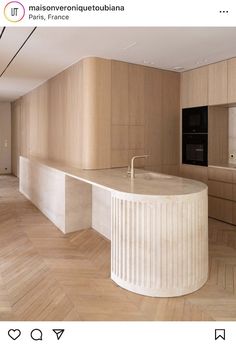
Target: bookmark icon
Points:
(220, 333)
(58, 332)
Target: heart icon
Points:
(14, 334)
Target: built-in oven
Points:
(195, 120)
(195, 135)
(194, 149)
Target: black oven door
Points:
(195, 120)
(194, 149)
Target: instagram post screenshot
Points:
(117, 173)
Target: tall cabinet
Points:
(194, 87)
(145, 116)
(217, 83)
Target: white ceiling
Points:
(51, 50)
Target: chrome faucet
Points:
(131, 168)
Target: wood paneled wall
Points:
(47, 122)
(38, 116)
(171, 123)
(99, 113)
(15, 136)
(5, 138)
(96, 113)
(65, 118)
(30, 126)
(145, 116)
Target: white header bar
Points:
(118, 13)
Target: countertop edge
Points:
(56, 166)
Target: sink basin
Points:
(152, 176)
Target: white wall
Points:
(5, 138)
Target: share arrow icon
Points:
(58, 332)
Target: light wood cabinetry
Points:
(38, 116)
(153, 121)
(119, 93)
(96, 122)
(99, 113)
(119, 114)
(57, 120)
(213, 84)
(221, 194)
(234, 192)
(47, 121)
(221, 209)
(145, 116)
(217, 83)
(161, 106)
(220, 189)
(218, 138)
(170, 122)
(232, 80)
(234, 213)
(136, 94)
(219, 174)
(127, 107)
(194, 172)
(194, 87)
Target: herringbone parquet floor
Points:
(45, 275)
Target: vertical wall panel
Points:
(15, 136)
(96, 113)
(5, 138)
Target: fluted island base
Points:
(160, 243)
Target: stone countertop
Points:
(117, 179)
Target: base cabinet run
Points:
(160, 245)
(222, 194)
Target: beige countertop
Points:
(117, 179)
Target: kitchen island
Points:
(158, 223)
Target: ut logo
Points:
(14, 11)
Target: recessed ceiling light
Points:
(130, 45)
(148, 62)
(178, 68)
(202, 61)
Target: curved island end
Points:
(160, 242)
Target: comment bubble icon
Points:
(36, 335)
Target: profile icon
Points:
(14, 11)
